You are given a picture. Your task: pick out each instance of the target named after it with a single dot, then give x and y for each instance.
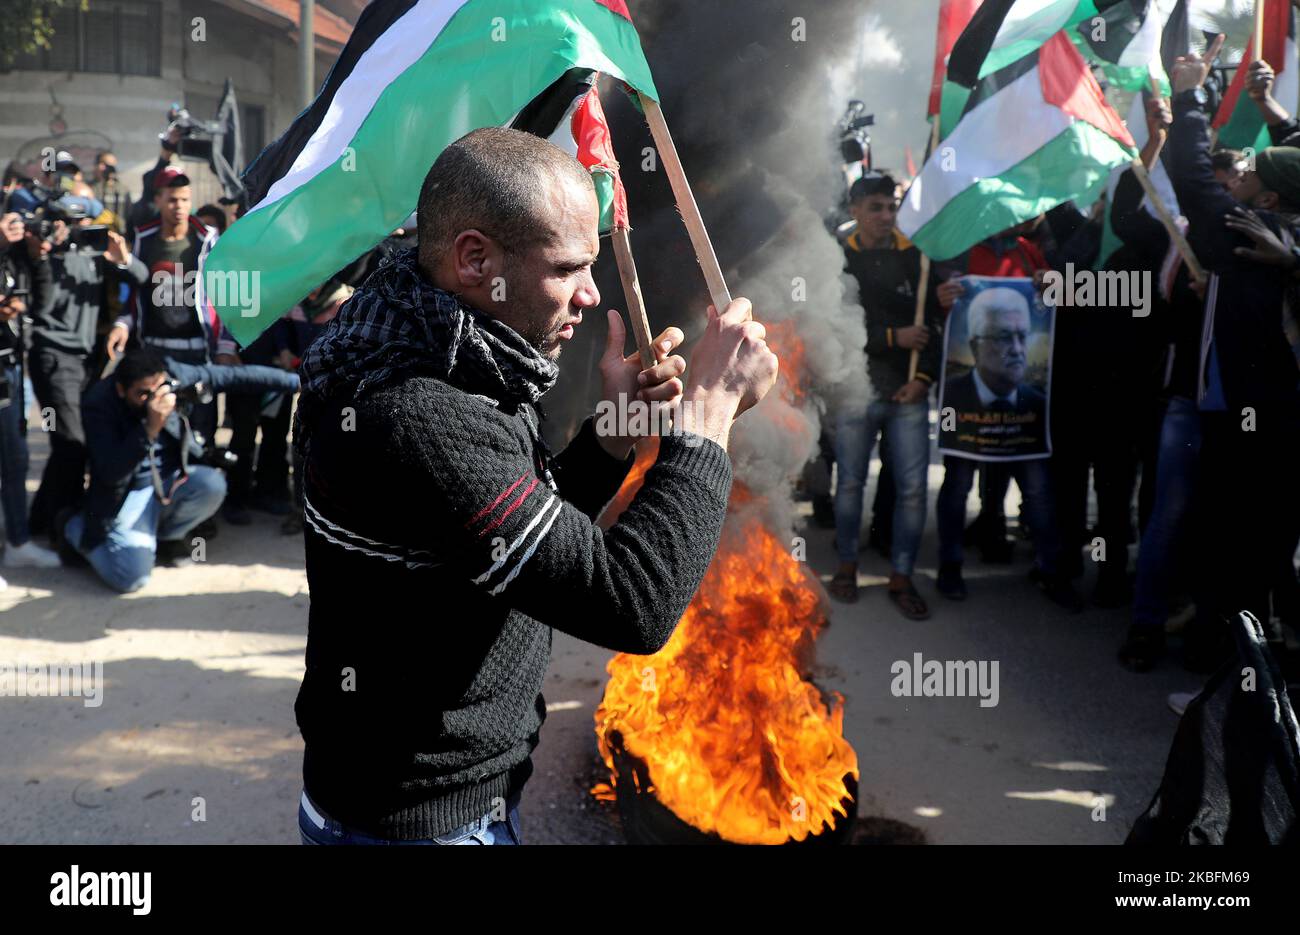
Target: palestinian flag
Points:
(1173, 44)
(946, 98)
(1035, 134)
(415, 76)
(570, 116)
(1126, 39)
(1002, 32)
(1238, 121)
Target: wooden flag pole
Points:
(1259, 32)
(1175, 235)
(632, 292)
(719, 294)
(1162, 210)
(923, 287)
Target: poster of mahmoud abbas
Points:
(993, 395)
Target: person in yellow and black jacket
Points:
(888, 270)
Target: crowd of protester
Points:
(1186, 419)
(103, 332)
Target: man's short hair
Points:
(138, 363)
(1225, 159)
(213, 216)
(872, 183)
(497, 181)
(988, 301)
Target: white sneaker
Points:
(30, 555)
(3, 584)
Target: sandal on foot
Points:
(911, 603)
(844, 587)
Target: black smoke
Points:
(751, 92)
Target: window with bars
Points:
(116, 37)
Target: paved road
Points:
(203, 665)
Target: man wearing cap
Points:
(888, 270)
(66, 171)
(1248, 377)
(166, 310)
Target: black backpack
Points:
(1233, 774)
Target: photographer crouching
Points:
(148, 489)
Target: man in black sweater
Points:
(428, 489)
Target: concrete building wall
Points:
(127, 112)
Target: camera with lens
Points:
(188, 395)
(855, 141)
(89, 238)
(196, 136)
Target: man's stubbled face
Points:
(549, 285)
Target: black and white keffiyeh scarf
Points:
(398, 324)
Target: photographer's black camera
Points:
(196, 136)
(187, 394)
(855, 140)
(89, 238)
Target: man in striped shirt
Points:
(439, 527)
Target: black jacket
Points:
(1256, 364)
(887, 281)
(1170, 339)
(962, 395)
(118, 444)
(30, 276)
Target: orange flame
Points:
(785, 342)
(736, 741)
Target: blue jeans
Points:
(1037, 508)
(13, 464)
(856, 430)
(316, 827)
(1180, 448)
(125, 558)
